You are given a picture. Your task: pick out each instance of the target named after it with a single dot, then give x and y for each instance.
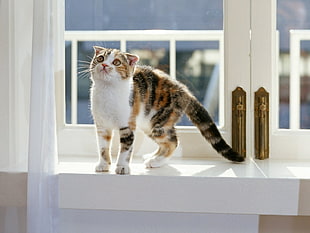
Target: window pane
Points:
(144, 15)
(68, 81)
(293, 15)
(196, 62)
(152, 53)
(305, 85)
(197, 67)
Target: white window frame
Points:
(284, 143)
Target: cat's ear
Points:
(98, 49)
(132, 59)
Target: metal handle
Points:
(261, 108)
(239, 121)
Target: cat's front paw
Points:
(102, 167)
(122, 170)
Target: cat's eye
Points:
(100, 59)
(116, 62)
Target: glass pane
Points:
(68, 81)
(197, 66)
(196, 61)
(152, 53)
(293, 15)
(144, 15)
(305, 85)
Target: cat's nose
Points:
(104, 65)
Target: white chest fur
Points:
(110, 103)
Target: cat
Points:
(125, 96)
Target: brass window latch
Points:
(261, 121)
(239, 121)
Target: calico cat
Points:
(125, 96)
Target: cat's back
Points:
(147, 78)
(157, 90)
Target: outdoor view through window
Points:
(294, 15)
(196, 61)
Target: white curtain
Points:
(27, 117)
(42, 200)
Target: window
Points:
(293, 22)
(186, 45)
(191, 48)
(194, 57)
(265, 61)
(191, 58)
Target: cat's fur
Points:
(125, 96)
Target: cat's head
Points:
(109, 64)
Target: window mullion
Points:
(236, 56)
(264, 56)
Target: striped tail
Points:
(201, 118)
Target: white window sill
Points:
(270, 187)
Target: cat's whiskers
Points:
(85, 73)
(85, 69)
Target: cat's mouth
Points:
(104, 70)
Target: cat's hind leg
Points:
(125, 153)
(167, 142)
(103, 140)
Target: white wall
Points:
(284, 224)
(81, 221)
(13, 220)
(15, 76)
(4, 82)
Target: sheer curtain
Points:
(28, 197)
(42, 201)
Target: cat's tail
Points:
(201, 118)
